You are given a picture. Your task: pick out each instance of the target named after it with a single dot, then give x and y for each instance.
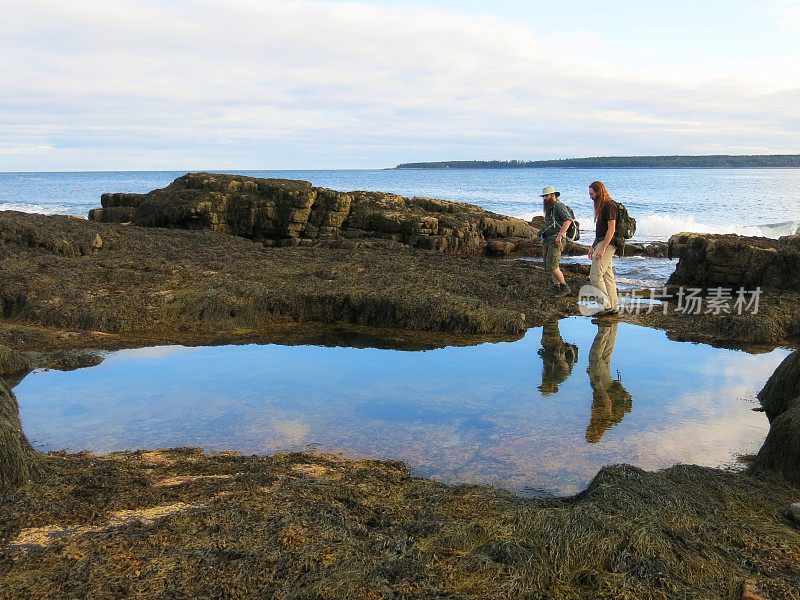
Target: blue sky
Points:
(279, 84)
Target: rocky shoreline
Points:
(165, 268)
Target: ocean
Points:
(663, 201)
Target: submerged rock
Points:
(280, 210)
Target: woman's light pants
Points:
(601, 276)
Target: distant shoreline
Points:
(720, 161)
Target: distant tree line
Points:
(717, 161)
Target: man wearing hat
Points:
(557, 219)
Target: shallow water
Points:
(542, 414)
(631, 272)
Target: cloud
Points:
(296, 81)
(785, 12)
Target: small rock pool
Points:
(539, 415)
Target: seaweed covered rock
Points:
(63, 235)
(282, 210)
(735, 261)
(782, 388)
(13, 361)
(781, 449)
(179, 523)
(149, 281)
(781, 400)
(19, 462)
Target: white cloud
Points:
(272, 77)
(785, 12)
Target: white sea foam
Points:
(662, 226)
(32, 208)
(654, 227)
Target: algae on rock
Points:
(19, 462)
(781, 400)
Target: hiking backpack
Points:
(574, 230)
(626, 227)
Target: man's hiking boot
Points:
(555, 289)
(563, 290)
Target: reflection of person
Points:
(556, 223)
(602, 251)
(610, 401)
(558, 356)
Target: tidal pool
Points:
(540, 415)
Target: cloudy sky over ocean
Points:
(277, 84)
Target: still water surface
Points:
(543, 413)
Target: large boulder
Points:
(732, 261)
(781, 400)
(288, 212)
(19, 462)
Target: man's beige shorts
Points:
(552, 256)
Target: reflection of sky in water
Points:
(472, 414)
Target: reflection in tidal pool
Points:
(542, 413)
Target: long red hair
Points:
(601, 196)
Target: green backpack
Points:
(625, 229)
(574, 229)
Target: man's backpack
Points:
(573, 232)
(625, 229)
(574, 229)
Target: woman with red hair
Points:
(602, 251)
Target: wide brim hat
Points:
(549, 190)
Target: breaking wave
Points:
(660, 227)
(33, 208)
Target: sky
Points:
(285, 84)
